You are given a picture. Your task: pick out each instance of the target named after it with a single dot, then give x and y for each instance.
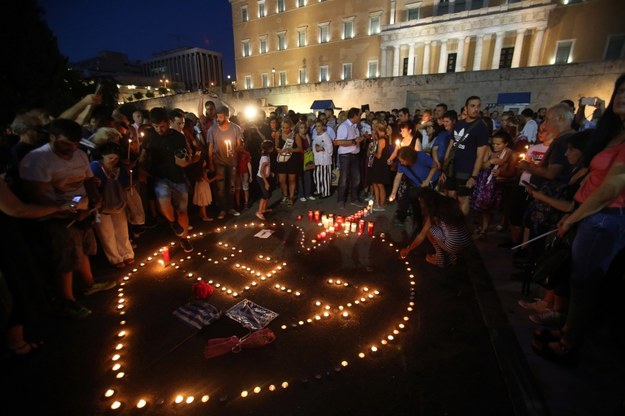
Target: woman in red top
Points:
(600, 234)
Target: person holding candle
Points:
(378, 170)
(223, 138)
(348, 140)
(444, 225)
(289, 162)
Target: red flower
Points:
(202, 289)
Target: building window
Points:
(372, 69)
(505, 59)
(248, 82)
(282, 78)
(301, 3)
(347, 72)
(302, 76)
(264, 78)
(412, 13)
(451, 62)
(374, 25)
(476, 4)
(263, 44)
(281, 6)
(442, 7)
(301, 38)
(323, 73)
(404, 67)
(563, 51)
(281, 41)
(246, 48)
(348, 29)
(324, 33)
(261, 9)
(244, 16)
(459, 6)
(616, 47)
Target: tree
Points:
(35, 74)
(138, 95)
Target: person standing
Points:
(168, 156)
(323, 149)
(348, 140)
(223, 139)
(58, 173)
(471, 135)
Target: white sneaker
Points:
(311, 198)
(234, 212)
(303, 199)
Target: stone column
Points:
(426, 58)
(396, 61)
(411, 59)
(442, 62)
(477, 59)
(518, 47)
(538, 43)
(497, 51)
(383, 61)
(460, 54)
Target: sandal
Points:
(547, 335)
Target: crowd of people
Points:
(458, 175)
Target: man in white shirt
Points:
(531, 127)
(348, 140)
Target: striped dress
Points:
(448, 241)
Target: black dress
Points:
(379, 170)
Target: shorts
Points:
(458, 183)
(266, 194)
(69, 245)
(242, 181)
(178, 192)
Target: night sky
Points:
(140, 28)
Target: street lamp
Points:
(164, 82)
(273, 76)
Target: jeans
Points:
(349, 165)
(598, 239)
(225, 196)
(305, 184)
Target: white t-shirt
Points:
(534, 155)
(323, 158)
(67, 177)
(264, 159)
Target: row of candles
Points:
(333, 224)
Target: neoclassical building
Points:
(286, 42)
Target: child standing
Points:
(487, 195)
(202, 195)
(262, 177)
(243, 176)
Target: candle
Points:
(228, 148)
(370, 226)
(324, 221)
(331, 230)
(129, 144)
(522, 156)
(299, 217)
(361, 227)
(165, 253)
(353, 226)
(317, 215)
(310, 215)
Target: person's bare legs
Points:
(292, 185)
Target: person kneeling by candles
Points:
(445, 227)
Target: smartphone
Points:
(588, 101)
(530, 185)
(75, 201)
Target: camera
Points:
(588, 101)
(181, 153)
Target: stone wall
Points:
(548, 85)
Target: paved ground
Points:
(459, 344)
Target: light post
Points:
(164, 81)
(273, 76)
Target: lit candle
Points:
(370, 226)
(228, 148)
(317, 215)
(361, 227)
(353, 226)
(522, 156)
(310, 215)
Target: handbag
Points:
(288, 144)
(309, 159)
(134, 207)
(113, 195)
(336, 175)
